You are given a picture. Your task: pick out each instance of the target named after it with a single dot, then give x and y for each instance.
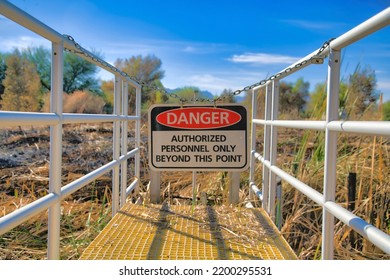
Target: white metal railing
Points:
(56, 118)
(332, 126)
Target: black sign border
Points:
(155, 126)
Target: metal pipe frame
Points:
(266, 147)
(375, 128)
(95, 118)
(292, 69)
(132, 187)
(273, 148)
(124, 124)
(332, 126)
(256, 191)
(368, 231)
(252, 166)
(361, 31)
(13, 119)
(56, 118)
(116, 143)
(55, 168)
(90, 177)
(330, 168)
(137, 167)
(302, 187)
(21, 215)
(315, 125)
(29, 22)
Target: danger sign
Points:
(198, 137)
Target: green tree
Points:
(300, 93)
(79, 74)
(108, 95)
(160, 97)
(3, 68)
(187, 93)
(343, 100)
(157, 96)
(386, 111)
(317, 101)
(293, 97)
(362, 92)
(41, 57)
(143, 69)
(227, 96)
(22, 85)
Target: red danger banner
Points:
(201, 138)
(198, 118)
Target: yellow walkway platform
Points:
(163, 232)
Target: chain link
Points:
(317, 58)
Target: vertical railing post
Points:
(279, 203)
(273, 150)
(194, 192)
(332, 111)
(252, 167)
(137, 170)
(351, 202)
(267, 142)
(155, 184)
(234, 188)
(125, 110)
(116, 142)
(53, 250)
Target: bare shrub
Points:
(79, 102)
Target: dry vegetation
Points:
(24, 172)
(369, 158)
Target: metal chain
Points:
(317, 58)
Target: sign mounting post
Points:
(198, 138)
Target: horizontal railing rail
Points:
(56, 118)
(267, 193)
(332, 126)
(378, 128)
(9, 119)
(26, 20)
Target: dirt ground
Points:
(24, 177)
(25, 155)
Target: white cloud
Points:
(383, 85)
(201, 47)
(312, 25)
(263, 58)
(23, 42)
(207, 81)
(189, 49)
(216, 84)
(127, 49)
(146, 46)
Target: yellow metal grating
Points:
(162, 232)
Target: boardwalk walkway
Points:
(164, 232)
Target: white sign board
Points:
(201, 138)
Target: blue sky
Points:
(212, 44)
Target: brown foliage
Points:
(22, 85)
(79, 102)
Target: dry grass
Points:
(80, 223)
(78, 102)
(369, 159)
(87, 211)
